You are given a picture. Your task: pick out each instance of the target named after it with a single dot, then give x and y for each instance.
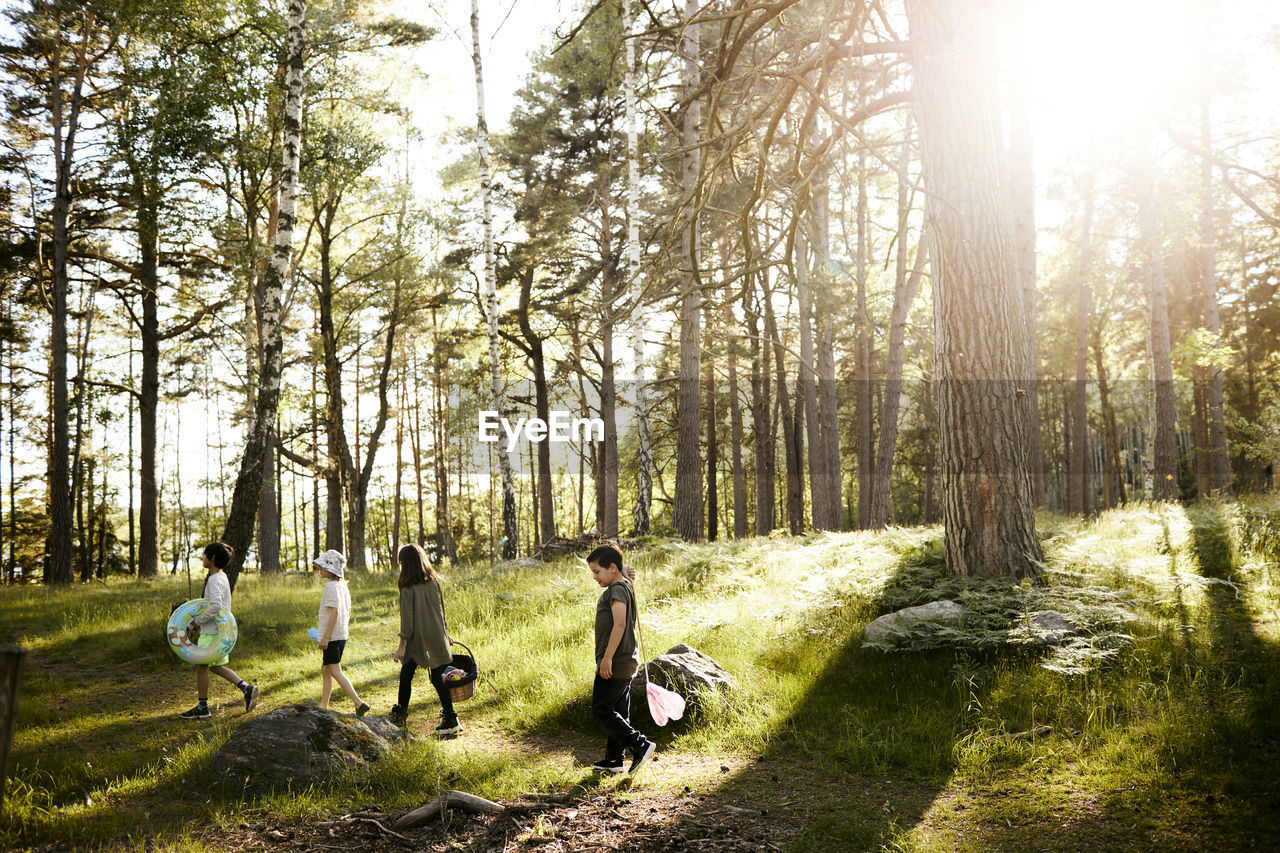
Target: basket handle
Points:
(465, 646)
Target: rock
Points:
(518, 563)
(886, 629)
(299, 745)
(1051, 628)
(687, 671)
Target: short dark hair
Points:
(605, 556)
(219, 553)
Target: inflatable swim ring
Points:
(189, 651)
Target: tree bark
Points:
(1219, 469)
(1164, 458)
(988, 505)
(1080, 489)
(688, 507)
(644, 442)
(244, 501)
(510, 523)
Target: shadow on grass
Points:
(867, 748)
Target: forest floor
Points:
(1157, 732)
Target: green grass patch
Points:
(1144, 732)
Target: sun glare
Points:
(1100, 63)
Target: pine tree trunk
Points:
(1219, 468)
(148, 403)
(712, 442)
(1115, 483)
(866, 434)
(988, 505)
(542, 405)
(510, 524)
(244, 501)
(824, 346)
(807, 389)
(1023, 195)
(608, 390)
(688, 507)
(1080, 491)
(761, 433)
(1164, 450)
(794, 484)
(735, 424)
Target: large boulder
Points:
(687, 671)
(1050, 628)
(889, 628)
(298, 745)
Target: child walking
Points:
(616, 663)
(424, 637)
(217, 589)
(331, 624)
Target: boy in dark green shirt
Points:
(616, 663)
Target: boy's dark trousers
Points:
(611, 706)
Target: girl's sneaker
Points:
(449, 727)
(363, 709)
(199, 712)
(609, 765)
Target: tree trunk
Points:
(807, 389)
(1023, 196)
(148, 404)
(644, 442)
(542, 406)
(761, 434)
(1080, 486)
(510, 524)
(866, 433)
(1164, 458)
(1116, 480)
(735, 420)
(988, 505)
(1219, 469)
(608, 390)
(687, 511)
(713, 443)
(795, 487)
(244, 501)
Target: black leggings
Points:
(407, 669)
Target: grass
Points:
(1156, 733)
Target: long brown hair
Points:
(415, 568)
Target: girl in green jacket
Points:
(424, 637)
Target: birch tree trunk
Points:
(688, 506)
(510, 521)
(644, 442)
(238, 532)
(988, 506)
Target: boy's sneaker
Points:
(641, 755)
(609, 765)
(397, 715)
(363, 709)
(250, 697)
(449, 728)
(199, 712)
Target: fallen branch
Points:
(449, 799)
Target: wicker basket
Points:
(465, 687)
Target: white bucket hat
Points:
(331, 561)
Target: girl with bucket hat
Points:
(332, 621)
